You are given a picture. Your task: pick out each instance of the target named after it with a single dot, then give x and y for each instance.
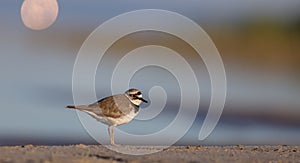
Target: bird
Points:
(114, 110)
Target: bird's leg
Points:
(112, 136)
(108, 129)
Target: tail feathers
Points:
(70, 107)
(79, 107)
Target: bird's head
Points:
(135, 96)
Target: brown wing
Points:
(112, 106)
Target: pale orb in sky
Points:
(39, 14)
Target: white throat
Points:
(136, 102)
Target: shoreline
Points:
(99, 153)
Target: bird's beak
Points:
(144, 100)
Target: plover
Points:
(114, 110)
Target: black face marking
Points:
(139, 98)
(135, 95)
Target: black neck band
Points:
(136, 106)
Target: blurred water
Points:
(36, 89)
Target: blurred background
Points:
(258, 42)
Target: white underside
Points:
(114, 121)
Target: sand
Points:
(98, 153)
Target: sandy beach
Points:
(99, 153)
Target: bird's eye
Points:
(139, 93)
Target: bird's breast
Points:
(125, 118)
